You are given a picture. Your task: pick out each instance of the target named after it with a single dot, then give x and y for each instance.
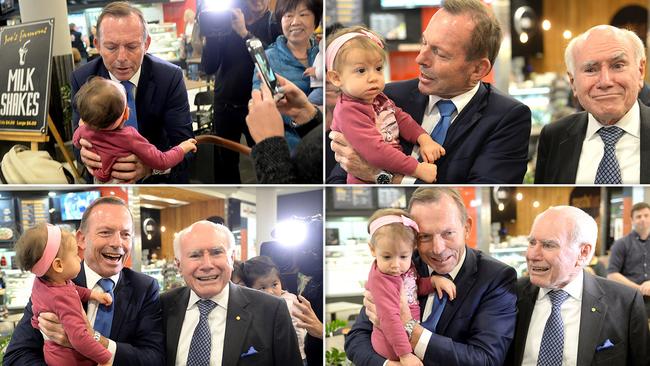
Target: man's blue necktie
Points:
(552, 347)
(199, 353)
(446, 108)
(436, 311)
(104, 317)
(609, 171)
(130, 101)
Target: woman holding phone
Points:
(295, 50)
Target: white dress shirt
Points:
(217, 323)
(423, 342)
(570, 313)
(91, 313)
(628, 149)
(134, 80)
(432, 117)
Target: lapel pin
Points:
(593, 310)
(237, 317)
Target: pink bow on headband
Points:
(391, 219)
(333, 49)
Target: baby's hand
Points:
(188, 145)
(101, 297)
(427, 172)
(429, 149)
(410, 360)
(310, 71)
(444, 284)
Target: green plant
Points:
(4, 342)
(335, 357)
(333, 326)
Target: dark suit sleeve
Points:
(542, 156)
(145, 343)
(639, 337)
(490, 332)
(504, 155)
(358, 345)
(26, 346)
(338, 175)
(178, 124)
(285, 341)
(75, 85)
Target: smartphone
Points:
(256, 50)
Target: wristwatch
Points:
(409, 326)
(97, 336)
(383, 177)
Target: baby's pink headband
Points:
(51, 248)
(334, 48)
(391, 219)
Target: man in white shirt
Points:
(609, 143)
(214, 322)
(567, 316)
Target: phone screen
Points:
(256, 51)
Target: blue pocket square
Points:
(607, 344)
(251, 351)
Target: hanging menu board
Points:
(34, 211)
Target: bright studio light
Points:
(567, 34)
(291, 232)
(217, 5)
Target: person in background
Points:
(155, 88)
(226, 56)
(132, 328)
(567, 316)
(214, 322)
(237, 274)
(629, 258)
(260, 273)
(603, 144)
(78, 42)
(271, 155)
(295, 50)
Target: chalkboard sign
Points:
(25, 69)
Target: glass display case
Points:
(165, 44)
(513, 253)
(347, 270)
(18, 288)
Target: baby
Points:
(370, 121)
(103, 111)
(51, 254)
(393, 237)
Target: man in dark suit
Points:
(161, 105)
(567, 316)
(477, 327)
(136, 337)
(487, 140)
(608, 143)
(242, 326)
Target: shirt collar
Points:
(92, 277)
(573, 288)
(455, 270)
(220, 299)
(460, 101)
(630, 123)
(134, 79)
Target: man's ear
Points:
(81, 243)
(572, 83)
(334, 78)
(468, 227)
(481, 69)
(585, 255)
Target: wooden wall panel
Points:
(177, 218)
(576, 16)
(526, 213)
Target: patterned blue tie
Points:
(436, 311)
(608, 169)
(446, 108)
(199, 354)
(130, 101)
(552, 347)
(104, 317)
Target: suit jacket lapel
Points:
(464, 282)
(237, 323)
(80, 280)
(525, 305)
(467, 118)
(592, 313)
(123, 293)
(145, 93)
(569, 150)
(175, 316)
(645, 144)
(417, 105)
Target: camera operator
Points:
(226, 56)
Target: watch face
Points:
(383, 178)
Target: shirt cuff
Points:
(423, 342)
(112, 348)
(408, 180)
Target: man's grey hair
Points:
(628, 35)
(217, 227)
(584, 230)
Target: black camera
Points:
(215, 16)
